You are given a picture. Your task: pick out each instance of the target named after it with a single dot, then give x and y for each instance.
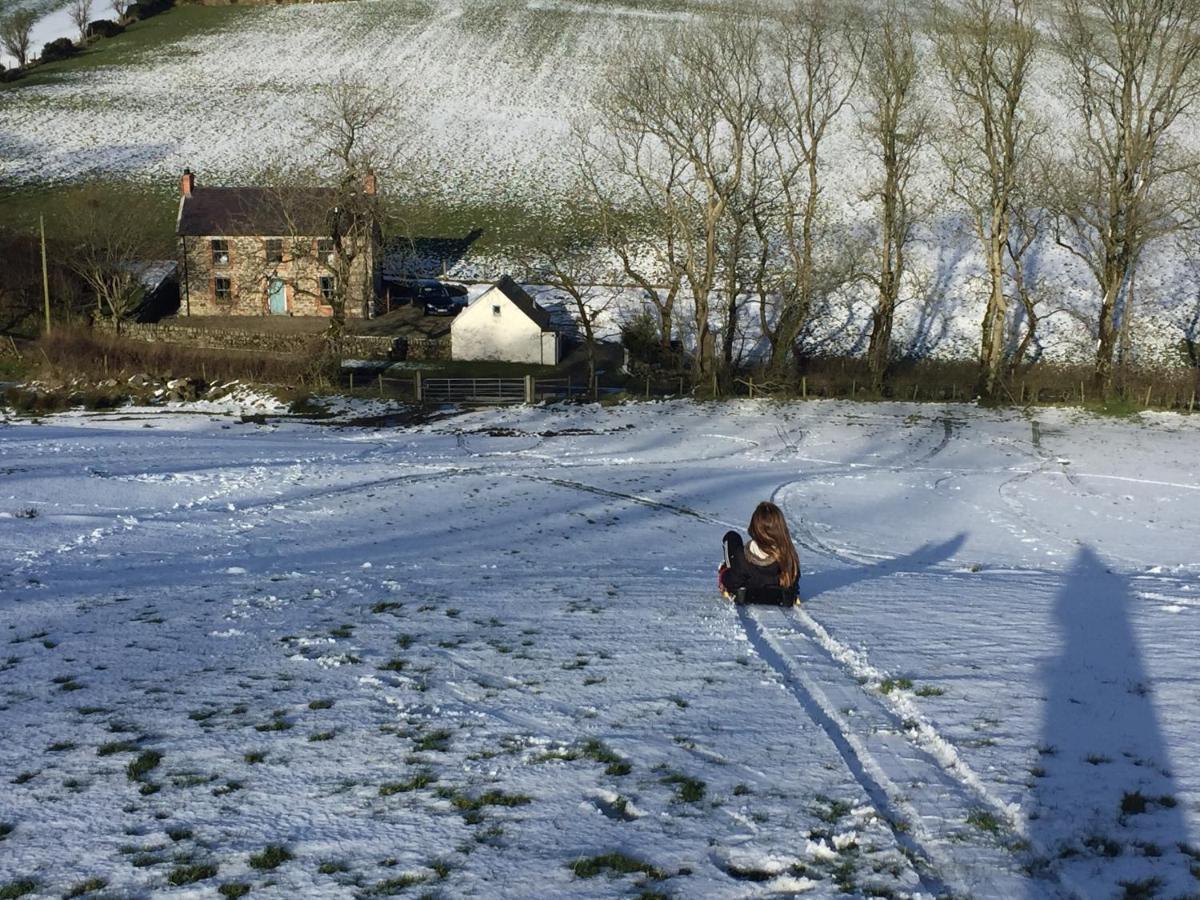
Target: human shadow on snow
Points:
(1106, 813)
(814, 584)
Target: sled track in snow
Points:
(911, 775)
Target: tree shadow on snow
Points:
(1106, 814)
(813, 584)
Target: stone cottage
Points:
(254, 251)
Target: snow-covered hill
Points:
(484, 655)
(488, 94)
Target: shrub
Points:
(147, 8)
(104, 28)
(60, 48)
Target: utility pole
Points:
(45, 274)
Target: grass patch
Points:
(254, 757)
(615, 864)
(386, 606)
(146, 762)
(891, 684)
(15, 889)
(984, 821)
(1140, 890)
(234, 889)
(320, 704)
(114, 747)
(396, 885)
(395, 664)
(435, 741)
(60, 747)
(271, 857)
(189, 874)
(600, 752)
(332, 867)
(418, 781)
(929, 690)
(86, 887)
(179, 834)
(687, 789)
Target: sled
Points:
(765, 596)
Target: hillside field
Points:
(489, 93)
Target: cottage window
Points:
(274, 250)
(325, 250)
(326, 282)
(223, 289)
(495, 310)
(220, 252)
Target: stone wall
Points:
(246, 271)
(357, 346)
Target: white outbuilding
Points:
(505, 324)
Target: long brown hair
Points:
(769, 529)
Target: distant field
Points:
(488, 93)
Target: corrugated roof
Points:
(256, 212)
(524, 302)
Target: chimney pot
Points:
(187, 183)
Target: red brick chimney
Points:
(187, 183)
(370, 184)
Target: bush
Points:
(147, 8)
(640, 337)
(61, 48)
(104, 28)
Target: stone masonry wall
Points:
(355, 346)
(248, 271)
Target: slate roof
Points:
(255, 212)
(524, 302)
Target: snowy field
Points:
(483, 656)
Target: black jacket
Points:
(751, 580)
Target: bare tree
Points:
(1135, 67)
(16, 30)
(680, 119)
(108, 238)
(120, 9)
(81, 14)
(334, 214)
(642, 239)
(571, 265)
(894, 124)
(986, 49)
(820, 50)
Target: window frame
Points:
(326, 292)
(273, 249)
(217, 291)
(216, 254)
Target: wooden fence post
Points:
(1192, 402)
(528, 388)
(417, 385)
(751, 383)
(380, 384)
(803, 387)
(916, 387)
(1148, 390)
(647, 385)
(352, 381)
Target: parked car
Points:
(437, 298)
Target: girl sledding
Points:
(768, 569)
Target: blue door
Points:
(277, 295)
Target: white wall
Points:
(478, 332)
